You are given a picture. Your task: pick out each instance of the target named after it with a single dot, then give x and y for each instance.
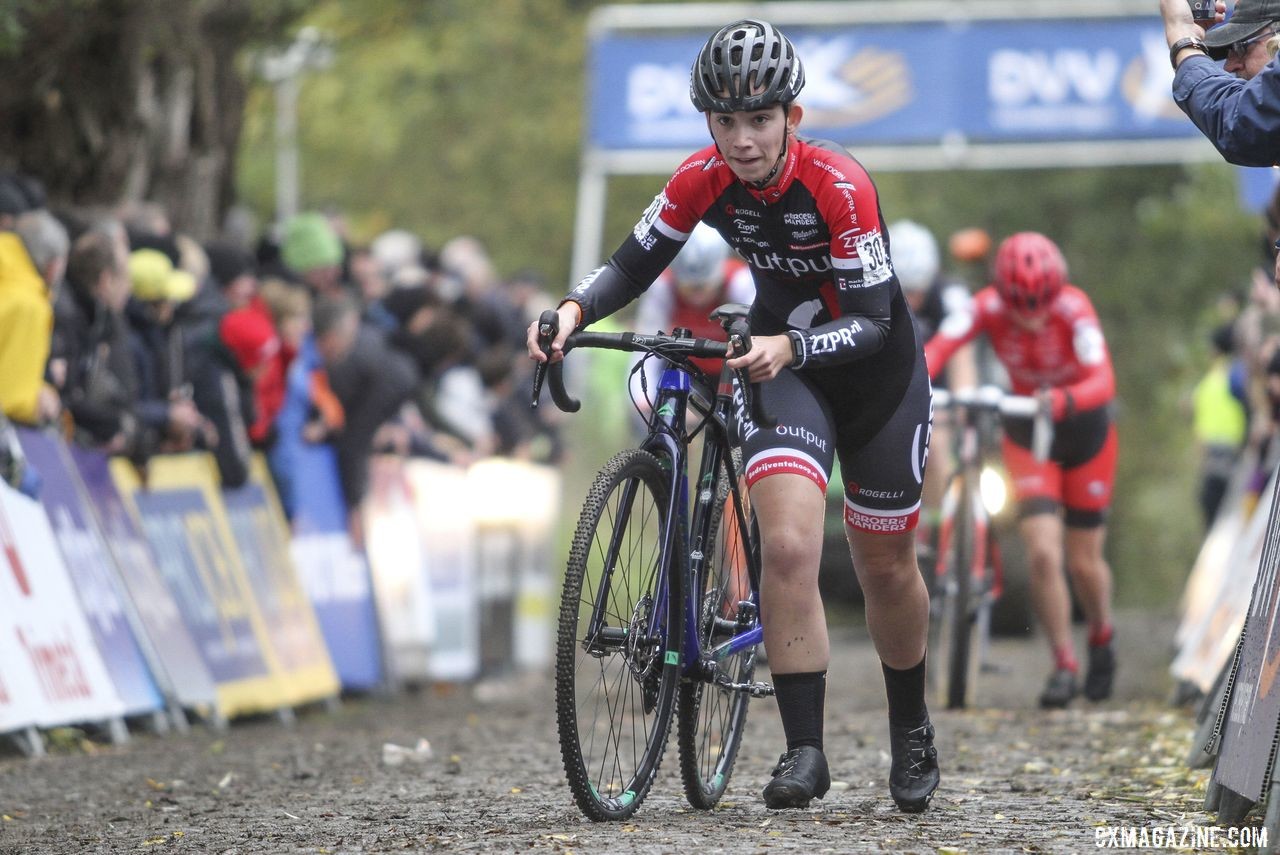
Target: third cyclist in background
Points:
(932, 296)
(1046, 334)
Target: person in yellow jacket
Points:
(1220, 424)
(32, 260)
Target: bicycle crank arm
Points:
(755, 690)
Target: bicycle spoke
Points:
(614, 690)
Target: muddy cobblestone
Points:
(1015, 779)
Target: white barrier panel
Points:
(1211, 644)
(43, 624)
(406, 613)
(1212, 562)
(515, 506)
(91, 569)
(447, 534)
(19, 686)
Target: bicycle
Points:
(960, 602)
(660, 609)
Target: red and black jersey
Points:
(1068, 355)
(818, 251)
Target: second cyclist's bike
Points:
(967, 575)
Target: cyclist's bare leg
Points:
(1090, 572)
(897, 601)
(897, 604)
(790, 511)
(1042, 534)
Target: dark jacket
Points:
(101, 386)
(371, 382)
(1241, 118)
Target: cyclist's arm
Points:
(1097, 386)
(957, 329)
(864, 320)
(863, 274)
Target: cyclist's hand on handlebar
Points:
(568, 320)
(769, 354)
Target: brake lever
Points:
(548, 327)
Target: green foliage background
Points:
(452, 117)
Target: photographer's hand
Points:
(1178, 23)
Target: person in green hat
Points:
(312, 249)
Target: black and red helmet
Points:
(1029, 271)
(746, 65)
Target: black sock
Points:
(905, 690)
(801, 699)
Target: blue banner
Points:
(179, 525)
(90, 566)
(184, 671)
(883, 84)
(334, 574)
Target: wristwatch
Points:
(798, 354)
(1184, 43)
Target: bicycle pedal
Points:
(760, 690)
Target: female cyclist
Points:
(842, 371)
(1047, 335)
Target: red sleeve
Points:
(957, 329)
(1096, 383)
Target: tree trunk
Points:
(116, 101)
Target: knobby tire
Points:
(615, 701)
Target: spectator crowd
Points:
(130, 337)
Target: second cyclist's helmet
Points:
(915, 255)
(747, 65)
(1029, 271)
(700, 261)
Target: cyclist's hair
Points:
(746, 65)
(1272, 46)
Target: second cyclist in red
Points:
(1046, 334)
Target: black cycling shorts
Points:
(883, 472)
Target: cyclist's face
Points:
(1031, 321)
(751, 141)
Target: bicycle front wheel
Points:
(618, 642)
(712, 714)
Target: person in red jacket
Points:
(1046, 333)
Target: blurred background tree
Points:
(111, 101)
(452, 116)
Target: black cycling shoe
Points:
(801, 775)
(1059, 690)
(1101, 673)
(914, 774)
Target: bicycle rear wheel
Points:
(711, 716)
(618, 642)
(961, 662)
